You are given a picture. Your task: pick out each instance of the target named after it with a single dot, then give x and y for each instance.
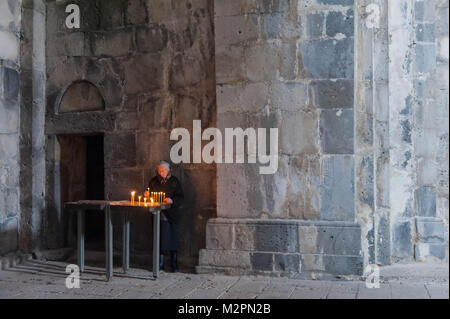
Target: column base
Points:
(292, 248)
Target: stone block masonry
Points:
(281, 248)
(10, 26)
(358, 90)
(153, 64)
(287, 65)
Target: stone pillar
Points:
(287, 65)
(372, 129)
(32, 119)
(10, 27)
(429, 110)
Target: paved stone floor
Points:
(39, 279)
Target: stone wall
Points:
(287, 65)
(360, 101)
(153, 63)
(10, 26)
(418, 90)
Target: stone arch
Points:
(81, 96)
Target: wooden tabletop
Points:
(116, 205)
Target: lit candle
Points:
(139, 198)
(164, 197)
(151, 199)
(145, 201)
(148, 191)
(132, 197)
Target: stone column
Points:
(429, 122)
(372, 129)
(10, 28)
(287, 65)
(32, 119)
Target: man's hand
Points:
(169, 200)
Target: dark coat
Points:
(169, 230)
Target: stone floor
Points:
(40, 279)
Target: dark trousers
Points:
(169, 236)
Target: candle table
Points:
(125, 208)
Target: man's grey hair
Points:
(163, 163)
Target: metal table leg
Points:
(156, 216)
(108, 243)
(126, 243)
(80, 239)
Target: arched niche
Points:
(81, 96)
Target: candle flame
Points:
(151, 199)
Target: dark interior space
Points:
(95, 189)
(82, 177)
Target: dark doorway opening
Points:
(95, 189)
(82, 170)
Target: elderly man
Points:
(171, 186)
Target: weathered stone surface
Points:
(115, 143)
(331, 240)
(401, 240)
(262, 261)
(143, 73)
(425, 32)
(245, 96)
(299, 142)
(8, 235)
(423, 12)
(337, 2)
(9, 150)
(281, 238)
(288, 65)
(284, 64)
(315, 24)
(225, 258)
(427, 252)
(219, 236)
(111, 43)
(10, 46)
(287, 262)
(81, 96)
(425, 58)
(425, 201)
(186, 71)
(152, 39)
(338, 23)
(229, 64)
(66, 44)
(289, 96)
(10, 83)
(261, 62)
(337, 188)
(244, 237)
(118, 182)
(80, 123)
(332, 94)
(9, 121)
(345, 265)
(383, 241)
(336, 131)
(236, 29)
(136, 12)
(328, 58)
(281, 26)
(430, 230)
